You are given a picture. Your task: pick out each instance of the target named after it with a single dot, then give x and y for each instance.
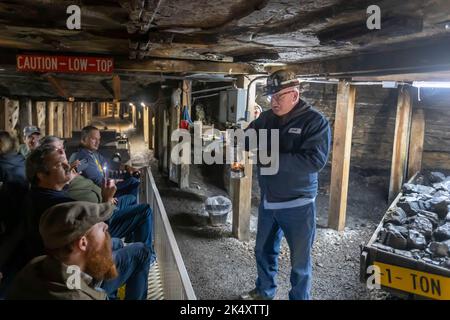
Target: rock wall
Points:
(374, 124)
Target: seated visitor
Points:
(80, 263)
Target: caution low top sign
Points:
(64, 64)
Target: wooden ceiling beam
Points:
(432, 55)
(57, 86)
(183, 66)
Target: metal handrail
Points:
(174, 276)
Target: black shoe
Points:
(253, 295)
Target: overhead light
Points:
(143, 104)
(131, 105)
(389, 84)
(431, 84)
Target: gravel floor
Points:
(221, 267)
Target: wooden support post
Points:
(342, 142)
(49, 119)
(145, 123)
(80, 115)
(90, 109)
(165, 156)
(75, 116)
(34, 113)
(86, 114)
(150, 127)
(157, 133)
(8, 114)
(68, 107)
(60, 119)
(416, 142)
(4, 115)
(401, 142)
(241, 194)
(251, 100)
(25, 114)
(116, 89)
(241, 190)
(40, 107)
(101, 110)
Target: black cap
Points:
(280, 80)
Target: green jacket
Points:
(23, 150)
(45, 278)
(83, 189)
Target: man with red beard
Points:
(78, 244)
(48, 172)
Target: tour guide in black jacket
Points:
(288, 197)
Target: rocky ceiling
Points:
(230, 30)
(185, 36)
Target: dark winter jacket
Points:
(93, 168)
(12, 169)
(14, 187)
(304, 146)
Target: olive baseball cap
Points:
(280, 80)
(67, 222)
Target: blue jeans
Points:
(132, 221)
(133, 264)
(129, 186)
(298, 226)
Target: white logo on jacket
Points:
(295, 130)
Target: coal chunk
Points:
(417, 188)
(439, 205)
(442, 233)
(401, 229)
(441, 193)
(435, 177)
(416, 240)
(396, 216)
(442, 186)
(389, 227)
(432, 216)
(395, 240)
(422, 225)
(440, 249)
(412, 206)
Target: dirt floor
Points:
(221, 267)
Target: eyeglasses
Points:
(277, 97)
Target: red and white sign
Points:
(64, 64)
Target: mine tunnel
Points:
(143, 104)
